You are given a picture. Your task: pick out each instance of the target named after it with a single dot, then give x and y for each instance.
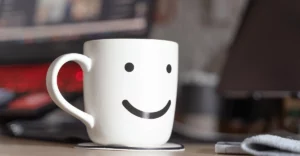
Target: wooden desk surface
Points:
(21, 147)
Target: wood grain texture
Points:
(21, 147)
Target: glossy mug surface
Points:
(130, 88)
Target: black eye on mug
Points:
(169, 68)
(129, 67)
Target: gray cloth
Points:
(272, 145)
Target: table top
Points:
(17, 147)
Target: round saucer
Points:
(165, 147)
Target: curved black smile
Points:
(146, 115)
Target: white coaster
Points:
(165, 147)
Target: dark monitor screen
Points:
(40, 30)
(265, 53)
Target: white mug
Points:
(130, 88)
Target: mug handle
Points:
(51, 83)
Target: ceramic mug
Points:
(130, 88)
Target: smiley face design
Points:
(129, 67)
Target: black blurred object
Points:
(197, 111)
(262, 67)
(7, 115)
(55, 126)
(251, 116)
(264, 56)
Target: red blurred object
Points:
(29, 78)
(31, 101)
(79, 76)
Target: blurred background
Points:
(238, 72)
